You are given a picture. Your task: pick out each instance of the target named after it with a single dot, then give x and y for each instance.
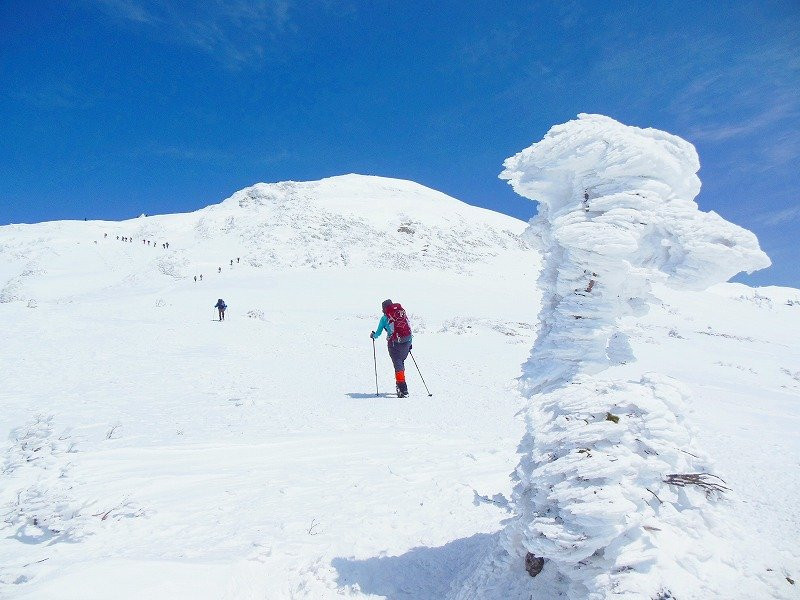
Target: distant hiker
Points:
(167, 245)
(195, 278)
(144, 242)
(221, 306)
(237, 260)
(398, 332)
(591, 283)
(231, 262)
(201, 277)
(219, 269)
(105, 235)
(148, 242)
(117, 237)
(592, 280)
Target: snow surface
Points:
(151, 452)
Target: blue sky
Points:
(111, 108)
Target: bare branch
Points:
(314, 524)
(701, 480)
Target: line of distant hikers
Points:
(219, 270)
(165, 246)
(125, 238)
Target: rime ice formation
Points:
(616, 214)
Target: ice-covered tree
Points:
(593, 494)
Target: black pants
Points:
(398, 352)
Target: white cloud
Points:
(234, 32)
(130, 10)
(55, 92)
(779, 217)
(741, 90)
(185, 153)
(775, 111)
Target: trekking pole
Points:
(375, 362)
(420, 374)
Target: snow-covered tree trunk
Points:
(616, 213)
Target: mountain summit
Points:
(350, 221)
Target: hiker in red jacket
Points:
(398, 331)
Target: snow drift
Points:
(600, 492)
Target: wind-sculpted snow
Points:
(38, 505)
(616, 214)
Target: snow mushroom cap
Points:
(610, 193)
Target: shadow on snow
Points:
(420, 574)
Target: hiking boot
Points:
(402, 389)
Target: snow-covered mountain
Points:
(152, 452)
(350, 221)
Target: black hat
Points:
(386, 304)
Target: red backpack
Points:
(397, 316)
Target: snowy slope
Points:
(152, 452)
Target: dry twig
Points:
(701, 480)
